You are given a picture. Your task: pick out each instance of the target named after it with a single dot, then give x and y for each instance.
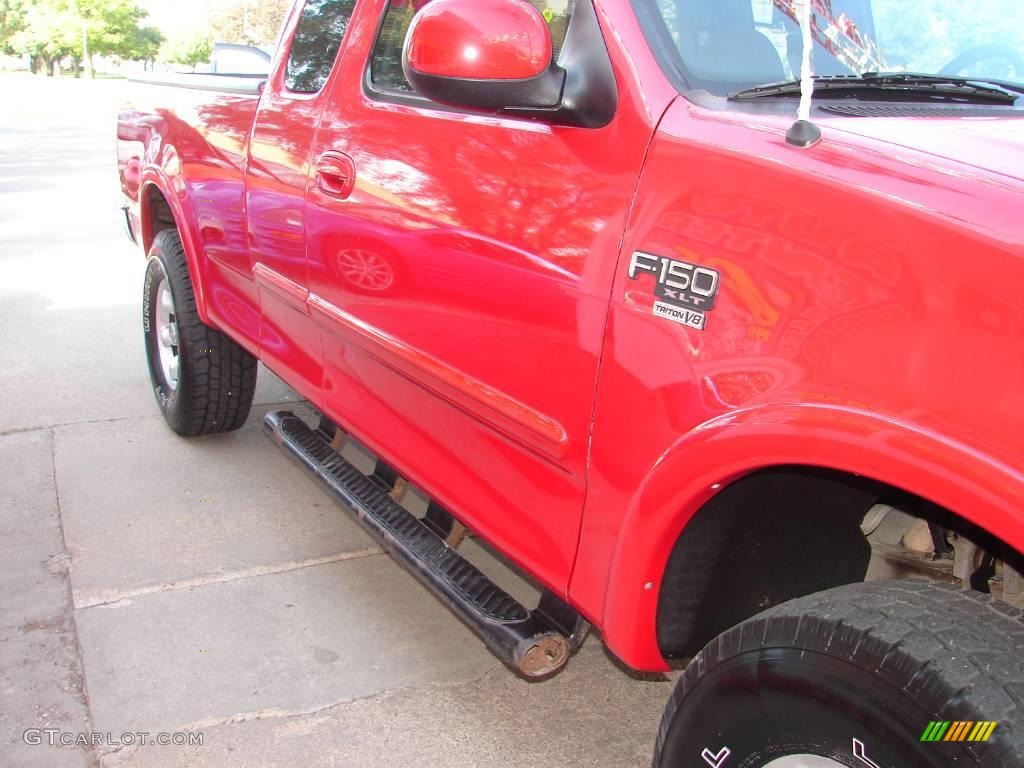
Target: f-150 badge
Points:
(685, 292)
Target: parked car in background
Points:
(234, 59)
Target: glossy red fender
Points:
(952, 475)
(868, 320)
(155, 177)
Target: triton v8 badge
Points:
(685, 292)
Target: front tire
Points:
(852, 677)
(203, 381)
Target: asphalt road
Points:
(160, 585)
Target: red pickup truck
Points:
(573, 269)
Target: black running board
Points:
(536, 643)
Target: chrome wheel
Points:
(167, 335)
(804, 761)
(203, 381)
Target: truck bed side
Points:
(181, 148)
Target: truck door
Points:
(278, 166)
(460, 269)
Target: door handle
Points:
(335, 174)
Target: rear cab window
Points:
(386, 62)
(316, 43)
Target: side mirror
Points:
(485, 55)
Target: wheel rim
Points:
(366, 269)
(804, 761)
(167, 335)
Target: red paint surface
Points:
(479, 39)
(465, 308)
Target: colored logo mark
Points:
(958, 730)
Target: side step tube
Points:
(536, 644)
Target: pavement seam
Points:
(270, 713)
(116, 419)
(91, 755)
(112, 597)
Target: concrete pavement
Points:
(150, 583)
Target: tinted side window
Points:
(386, 66)
(315, 45)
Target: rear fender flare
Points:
(156, 177)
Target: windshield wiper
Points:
(904, 86)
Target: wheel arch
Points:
(852, 449)
(160, 209)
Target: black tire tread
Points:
(221, 375)
(959, 654)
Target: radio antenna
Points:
(804, 133)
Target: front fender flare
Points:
(950, 474)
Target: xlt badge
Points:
(682, 286)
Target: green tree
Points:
(189, 49)
(12, 21)
(142, 45)
(50, 31)
(108, 28)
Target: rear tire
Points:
(853, 677)
(203, 381)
